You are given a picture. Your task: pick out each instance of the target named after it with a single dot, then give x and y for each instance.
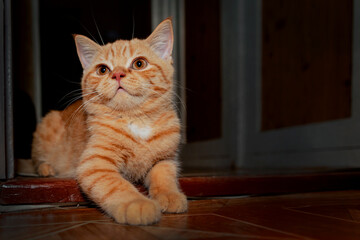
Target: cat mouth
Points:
(121, 89)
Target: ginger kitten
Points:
(124, 130)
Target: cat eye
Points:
(102, 70)
(139, 63)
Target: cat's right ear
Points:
(161, 39)
(86, 49)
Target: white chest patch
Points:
(140, 132)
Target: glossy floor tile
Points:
(326, 215)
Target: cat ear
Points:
(86, 50)
(162, 39)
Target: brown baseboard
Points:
(54, 190)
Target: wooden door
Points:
(303, 105)
(306, 62)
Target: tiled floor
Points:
(328, 215)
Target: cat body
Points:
(59, 141)
(124, 130)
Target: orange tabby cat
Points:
(124, 130)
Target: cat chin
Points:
(123, 103)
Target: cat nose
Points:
(118, 75)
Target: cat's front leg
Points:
(163, 187)
(99, 178)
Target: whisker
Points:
(173, 94)
(66, 79)
(72, 100)
(97, 28)
(79, 109)
(72, 92)
(89, 33)
(133, 30)
(170, 97)
(77, 96)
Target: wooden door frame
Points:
(330, 144)
(6, 101)
(218, 152)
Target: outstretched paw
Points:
(139, 212)
(172, 202)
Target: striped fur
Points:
(99, 140)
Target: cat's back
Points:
(60, 139)
(74, 120)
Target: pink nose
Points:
(118, 76)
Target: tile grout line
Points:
(184, 215)
(49, 224)
(215, 233)
(200, 231)
(321, 215)
(41, 232)
(267, 228)
(58, 231)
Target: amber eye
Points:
(102, 70)
(139, 63)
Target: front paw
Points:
(138, 212)
(172, 202)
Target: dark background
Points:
(306, 59)
(61, 69)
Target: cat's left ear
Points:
(162, 39)
(86, 49)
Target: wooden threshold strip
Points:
(54, 190)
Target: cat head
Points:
(128, 76)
